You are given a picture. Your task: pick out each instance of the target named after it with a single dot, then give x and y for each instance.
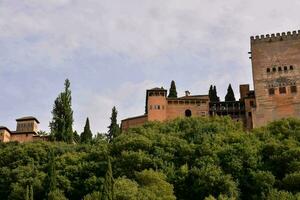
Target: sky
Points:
(113, 50)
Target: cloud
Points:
(108, 48)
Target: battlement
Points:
(276, 37)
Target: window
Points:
(268, 70)
(279, 69)
(271, 91)
(293, 89)
(285, 68)
(282, 90)
(291, 67)
(251, 103)
(188, 113)
(150, 107)
(158, 107)
(274, 69)
(250, 114)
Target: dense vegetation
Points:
(185, 159)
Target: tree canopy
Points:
(186, 158)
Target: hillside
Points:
(184, 159)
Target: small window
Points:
(188, 113)
(282, 90)
(274, 69)
(250, 114)
(291, 67)
(271, 91)
(158, 107)
(251, 103)
(279, 69)
(268, 70)
(285, 68)
(293, 89)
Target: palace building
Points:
(276, 78)
(26, 131)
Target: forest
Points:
(184, 159)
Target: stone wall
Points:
(177, 108)
(133, 122)
(24, 137)
(276, 76)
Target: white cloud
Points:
(151, 35)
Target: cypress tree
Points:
(87, 135)
(31, 192)
(108, 186)
(210, 93)
(173, 91)
(51, 178)
(230, 94)
(216, 98)
(114, 129)
(62, 120)
(27, 193)
(213, 94)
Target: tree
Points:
(51, 178)
(31, 193)
(62, 120)
(114, 129)
(27, 193)
(216, 98)
(212, 93)
(87, 135)
(173, 91)
(230, 94)
(108, 186)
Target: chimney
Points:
(187, 93)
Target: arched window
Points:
(188, 113)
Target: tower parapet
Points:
(276, 37)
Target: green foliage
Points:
(230, 94)
(172, 91)
(125, 189)
(108, 186)
(87, 135)
(56, 195)
(62, 120)
(114, 129)
(186, 158)
(282, 195)
(93, 196)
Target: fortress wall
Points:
(275, 65)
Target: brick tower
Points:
(157, 104)
(276, 76)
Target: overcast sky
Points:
(113, 50)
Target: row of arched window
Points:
(283, 90)
(280, 69)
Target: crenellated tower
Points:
(276, 76)
(157, 104)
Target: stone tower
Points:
(27, 125)
(276, 76)
(157, 104)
